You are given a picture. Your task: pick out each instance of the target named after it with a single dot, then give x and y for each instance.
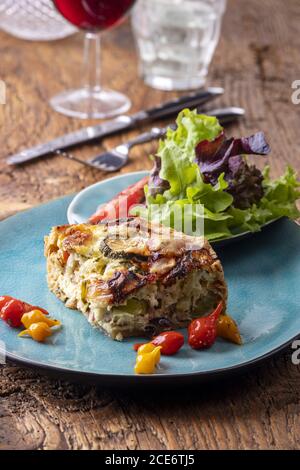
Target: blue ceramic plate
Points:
(263, 275)
(89, 199)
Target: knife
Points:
(91, 133)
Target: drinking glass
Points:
(92, 101)
(176, 40)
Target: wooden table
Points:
(256, 62)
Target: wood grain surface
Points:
(256, 62)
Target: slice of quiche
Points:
(130, 279)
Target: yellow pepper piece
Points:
(228, 329)
(38, 331)
(150, 348)
(36, 316)
(156, 354)
(146, 363)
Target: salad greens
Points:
(196, 166)
(227, 156)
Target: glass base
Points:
(170, 84)
(90, 104)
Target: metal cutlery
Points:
(114, 126)
(116, 158)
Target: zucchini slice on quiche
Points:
(132, 279)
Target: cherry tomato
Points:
(3, 300)
(12, 312)
(169, 341)
(120, 205)
(203, 330)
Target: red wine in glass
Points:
(92, 16)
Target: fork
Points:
(116, 158)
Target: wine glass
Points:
(92, 101)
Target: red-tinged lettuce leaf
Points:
(245, 183)
(213, 157)
(157, 185)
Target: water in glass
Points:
(176, 40)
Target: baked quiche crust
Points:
(132, 279)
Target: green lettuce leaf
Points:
(279, 200)
(193, 128)
(177, 151)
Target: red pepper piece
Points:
(11, 310)
(12, 313)
(3, 301)
(203, 330)
(169, 341)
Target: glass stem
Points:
(91, 63)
